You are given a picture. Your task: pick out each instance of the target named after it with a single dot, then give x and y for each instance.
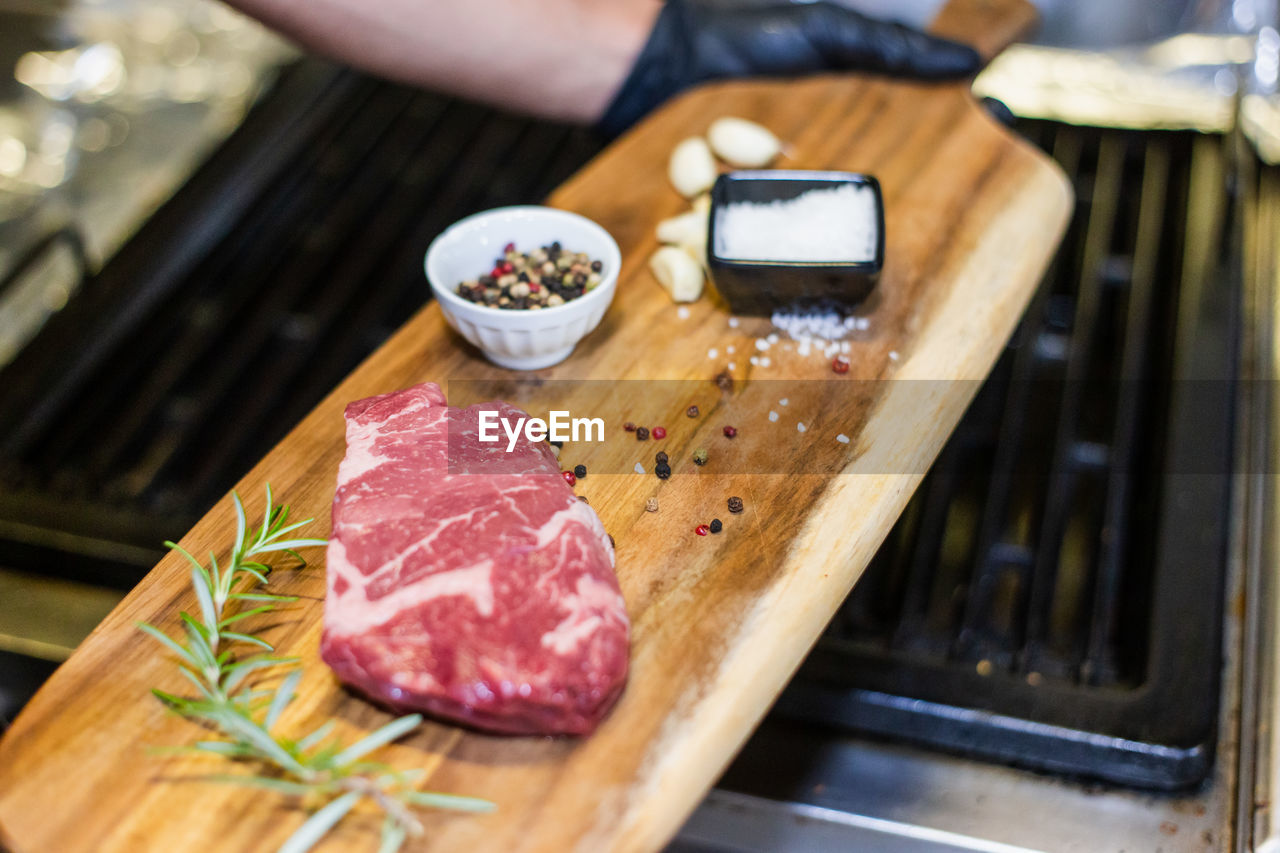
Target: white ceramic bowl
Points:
(520, 340)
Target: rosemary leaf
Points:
(391, 731)
(174, 647)
(393, 836)
(449, 801)
(319, 824)
(284, 695)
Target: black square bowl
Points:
(759, 287)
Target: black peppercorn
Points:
(716, 525)
(663, 470)
(579, 471)
(596, 266)
(556, 247)
(735, 504)
(662, 458)
(642, 433)
(692, 411)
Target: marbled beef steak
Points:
(466, 581)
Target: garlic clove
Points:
(743, 143)
(677, 271)
(692, 169)
(688, 231)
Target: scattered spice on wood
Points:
(662, 457)
(663, 470)
(724, 381)
(735, 504)
(659, 433)
(629, 426)
(579, 471)
(651, 505)
(840, 364)
(700, 456)
(701, 530)
(583, 498)
(716, 525)
(730, 432)
(612, 544)
(568, 477)
(691, 412)
(642, 434)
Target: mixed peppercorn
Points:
(544, 278)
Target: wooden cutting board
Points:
(719, 623)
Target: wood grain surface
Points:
(719, 623)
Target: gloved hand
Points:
(692, 42)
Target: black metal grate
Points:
(1052, 595)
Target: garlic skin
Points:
(692, 169)
(677, 271)
(688, 231)
(743, 143)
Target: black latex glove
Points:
(692, 42)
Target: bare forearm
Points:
(561, 58)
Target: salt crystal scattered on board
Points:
(764, 362)
(731, 349)
(772, 338)
(773, 417)
(713, 353)
(784, 401)
(842, 438)
(754, 360)
(733, 365)
(893, 355)
(682, 312)
(639, 468)
(801, 427)
(733, 322)
(762, 344)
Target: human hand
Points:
(695, 41)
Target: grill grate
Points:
(1061, 566)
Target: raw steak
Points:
(467, 581)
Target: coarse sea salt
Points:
(712, 353)
(836, 225)
(773, 417)
(764, 361)
(814, 326)
(639, 468)
(682, 312)
(800, 427)
(784, 401)
(842, 438)
(733, 322)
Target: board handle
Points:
(989, 25)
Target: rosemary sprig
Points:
(315, 767)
